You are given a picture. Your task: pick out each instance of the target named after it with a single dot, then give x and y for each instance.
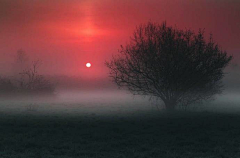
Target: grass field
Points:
(187, 135)
(115, 129)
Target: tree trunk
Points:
(170, 105)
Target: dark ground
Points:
(182, 135)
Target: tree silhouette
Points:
(21, 61)
(178, 66)
(32, 81)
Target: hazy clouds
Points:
(66, 34)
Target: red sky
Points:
(66, 34)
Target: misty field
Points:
(122, 127)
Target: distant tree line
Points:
(26, 78)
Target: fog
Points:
(65, 35)
(77, 102)
(106, 103)
(88, 95)
(76, 95)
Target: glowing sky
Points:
(66, 34)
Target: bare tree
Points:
(32, 81)
(26, 79)
(178, 66)
(21, 61)
(30, 76)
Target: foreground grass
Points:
(187, 135)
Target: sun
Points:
(88, 65)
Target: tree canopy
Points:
(178, 66)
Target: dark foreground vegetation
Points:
(186, 135)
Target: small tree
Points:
(21, 61)
(179, 67)
(26, 79)
(31, 81)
